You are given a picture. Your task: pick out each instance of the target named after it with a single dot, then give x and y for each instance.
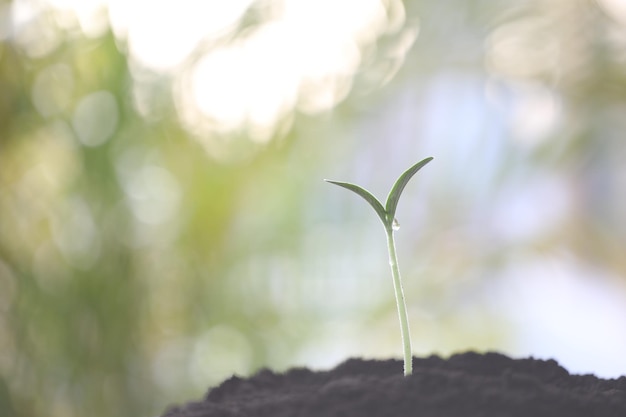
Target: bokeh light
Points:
(164, 223)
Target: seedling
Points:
(387, 215)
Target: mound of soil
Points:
(468, 385)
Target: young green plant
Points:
(387, 215)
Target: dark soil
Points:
(468, 385)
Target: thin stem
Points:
(402, 313)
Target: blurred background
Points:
(164, 223)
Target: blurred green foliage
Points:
(145, 255)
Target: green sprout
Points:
(387, 215)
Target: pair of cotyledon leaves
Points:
(388, 212)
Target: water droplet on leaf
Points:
(395, 225)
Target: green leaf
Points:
(367, 196)
(398, 187)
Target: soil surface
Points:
(468, 385)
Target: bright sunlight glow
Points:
(243, 66)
